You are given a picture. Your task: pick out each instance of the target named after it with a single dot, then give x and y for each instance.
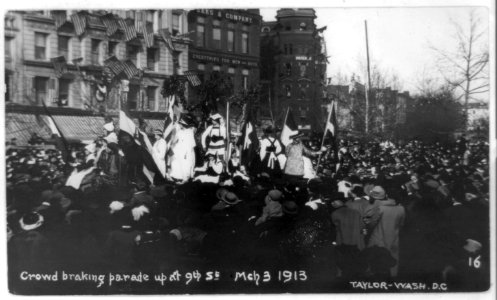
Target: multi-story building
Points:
(32, 38)
(227, 41)
(293, 59)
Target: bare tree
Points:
(466, 68)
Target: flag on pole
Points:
(166, 36)
(331, 123)
(169, 121)
(110, 23)
(148, 33)
(60, 65)
(60, 141)
(140, 152)
(193, 78)
(59, 17)
(289, 128)
(248, 142)
(130, 69)
(79, 22)
(129, 29)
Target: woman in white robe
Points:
(183, 153)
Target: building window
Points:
(288, 69)
(149, 16)
(216, 38)
(231, 40)
(63, 45)
(130, 14)
(8, 48)
(95, 51)
(40, 86)
(132, 53)
(245, 41)
(133, 96)
(245, 77)
(176, 28)
(151, 96)
(152, 58)
(64, 88)
(111, 49)
(201, 67)
(200, 35)
(40, 45)
(216, 68)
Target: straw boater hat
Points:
(290, 208)
(31, 221)
(231, 198)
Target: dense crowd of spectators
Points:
(375, 210)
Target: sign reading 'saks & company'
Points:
(229, 15)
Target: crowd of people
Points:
(374, 210)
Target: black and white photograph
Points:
(271, 149)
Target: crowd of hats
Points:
(198, 215)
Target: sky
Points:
(399, 39)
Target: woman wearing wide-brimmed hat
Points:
(295, 151)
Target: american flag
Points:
(79, 21)
(193, 78)
(130, 69)
(169, 121)
(110, 23)
(166, 35)
(59, 17)
(128, 27)
(60, 65)
(114, 64)
(148, 34)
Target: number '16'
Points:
(475, 263)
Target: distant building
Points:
(227, 41)
(32, 38)
(477, 112)
(387, 111)
(293, 65)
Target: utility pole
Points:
(369, 78)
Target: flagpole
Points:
(64, 141)
(228, 135)
(324, 134)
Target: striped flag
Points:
(166, 35)
(79, 22)
(114, 64)
(148, 33)
(139, 151)
(110, 24)
(169, 121)
(128, 27)
(130, 69)
(193, 78)
(59, 17)
(59, 65)
(290, 128)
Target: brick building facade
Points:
(293, 57)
